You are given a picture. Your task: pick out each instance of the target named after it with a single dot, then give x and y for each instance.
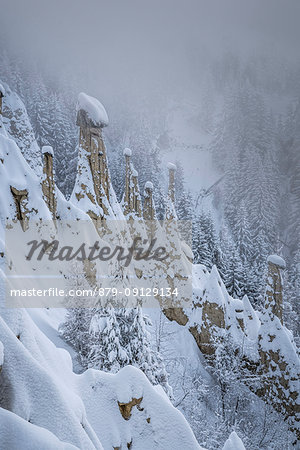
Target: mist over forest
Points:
(213, 87)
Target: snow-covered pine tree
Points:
(75, 327)
(205, 244)
(231, 372)
(242, 235)
(117, 171)
(40, 110)
(183, 198)
(141, 353)
(231, 268)
(244, 148)
(106, 351)
(62, 143)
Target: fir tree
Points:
(183, 198)
(205, 245)
(106, 351)
(142, 355)
(61, 141)
(231, 267)
(75, 327)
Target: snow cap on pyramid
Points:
(277, 261)
(47, 149)
(127, 152)
(90, 112)
(149, 185)
(171, 166)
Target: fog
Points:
(136, 47)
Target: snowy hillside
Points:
(91, 378)
(19, 128)
(41, 398)
(42, 393)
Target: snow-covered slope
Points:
(14, 430)
(234, 443)
(38, 385)
(43, 403)
(42, 397)
(19, 128)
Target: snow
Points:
(127, 152)
(40, 376)
(79, 409)
(149, 185)
(167, 427)
(18, 128)
(16, 172)
(234, 443)
(251, 320)
(67, 210)
(93, 108)
(277, 260)
(2, 90)
(214, 289)
(83, 195)
(187, 250)
(134, 173)
(47, 149)
(171, 166)
(51, 407)
(31, 437)
(98, 324)
(275, 338)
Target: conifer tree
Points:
(106, 352)
(75, 327)
(183, 198)
(61, 141)
(242, 235)
(141, 353)
(205, 245)
(40, 111)
(231, 267)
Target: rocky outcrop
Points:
(21, 203)
(48, 184)
(18, 128)
(131, 201)
(149, 212)
(125, 408)
(279, 366)
(136, 197)
(127, 199)
(91, 122)
(213, 312)
(273, 296)
(92, 191)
